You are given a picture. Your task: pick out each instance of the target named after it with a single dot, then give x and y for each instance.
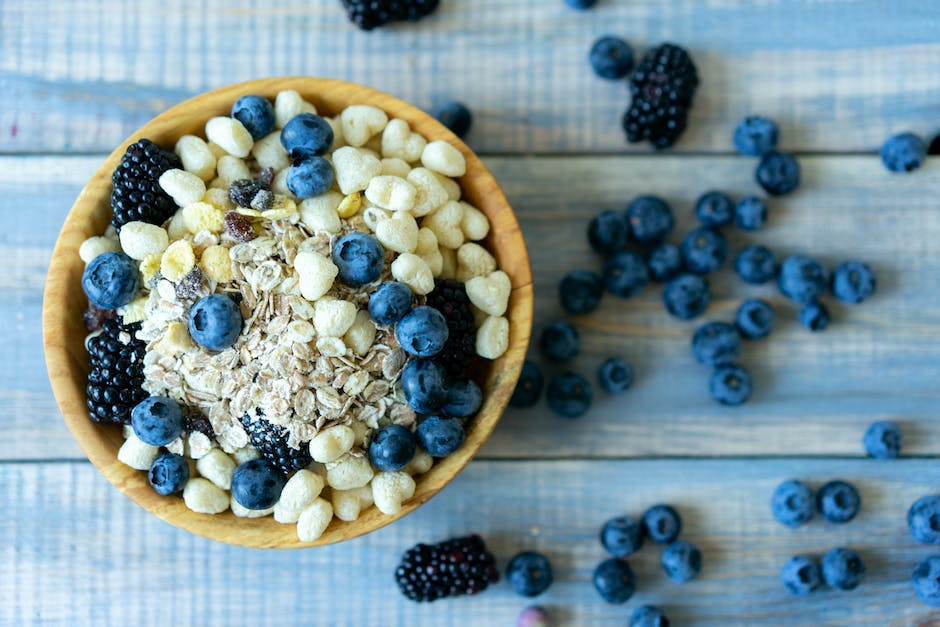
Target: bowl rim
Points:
(66, 359)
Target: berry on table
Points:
(614, 581)
(309, 177)
(903, 153)
(440, 436)
(686, 296)
(615, 375)
(423, 382)
(168, 474)
(389, 303)
(580, 291)
(755, 136)
(137, 194)
(116, 376)
(648, 616)
(422, 332)
(464, 398)
(271, 441)
(882, 440)
(778, 173)
(391, 448)
(716, 343)
(110, 280)
(257, 484)
(622, 536)
(682, 561)
(607, 232)
(662, 87)
(801, 279)
(528, 387)
(662, 524)
(814, 316)
(559, 341)
(649, 219)
(569, 395)
(714, 209)
(157, 420)
(455, 567)
(359, 257)
(215, 322)
(611, 57)
(750, 213)
(625, 274)
(756, 265)
(838, 501)
(704, 250)
(730, 384)
(853, 282)
(370, 14)
(843, 569)
(456, 117)
(923, 520)
(754, 319)
(926, 580)
(256, 114)
(529, 573)
(792, 503)
(664, 262)
(801, 575)
(450, 298)
(534, 616)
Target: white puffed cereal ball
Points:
(204, 497)
(492, 337)
(287, 104)
(231, 135)
(177, 261)
(348, 472)
(299, 492)
(177, 446)
(451, 186)
(246, 454)
(319, 213)
(316, 274)
(270, 153)
(374, 145)
(217, 151)
(199, 443)
(97, 245)
(474, 223)
(217, 467)
(361, 334)
(183, 187)
(333, 317)
(279, 186)
(395, 167)
(392, 193)
(218, 198)
(399, 233)
(196, 156)
(346, 504)
(490, 293)
(176, 227)
(414, 272)
(354, 168)
(427, 249)
(136, 454)
(448, 263)
(314, 520)
(139, 239)
(232, 169)
(201, 216)
(361, 122)
(332, 443)
(420, 463)
(126, 430)
(444, 158)
(365, 496)
(472, 261)
(391, 489)
(373, 216)
(399, 142)
(243, 512)
(445, 222)
(217, 264)
(431, 194)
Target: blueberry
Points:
(686, 296)
(625, 274)
(755, 136)
(157, 420)
(580, 291)
(389, 303)
(662, 524)
(622, 536)
(256, 114)
(168, 474)
(614, 581)
(649, 219)
(423, 382)
(528, 387)
(615, 375)
(730, 384)
(607, 233)
(756, 265)
(838, 501)
(750, 213)
(391, 448)
(926, 580)
(569, 395)
(456, 117)
(529, 573)
(714, 209)
(611, 57)
(648, 616)
(792, 503)
(464, 398)
(704, 250)
(778, 173)
(307, 135)
(682, 561)
(814, 316)
(664, 262)
(923, 520)
(215, 322)
(110, 280)
(534, 616)
(422, 332)
(883, 440)
(257, 484)
(903, 153)
(716, 343)
(801, 279)
(359, 257)
(853, 282)
(801, 575)
(581, 5)
(755, 319)
(440, 436)
(559, 341)
(843, 569)
(311, 177)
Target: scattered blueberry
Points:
(615, 375)
(625, 274)
(923, 520)
(580, 291)
(607, 233)
(648, 616)
(622, 536)
(611, 57)
(257, 484)
(662, 524)
(682, 561)
(168, 474)
(686, 296)
(359, 257)
(528, 387)
(157, 420)
(843, 569)
(801, 279)
(256, 114)
(456, 117)
(559, 341)
(755, 136)
(730, 384)
(814, 316)
(716, 343)
(529, 573)
(755, 319)
(649, 219)
(423, 381)
(704, 250)
(778, 173)
(883, 440)
(581, 5)
(664, 262)
(534, 616)
(801, 575)
(714, 209)
(215, 322)
(569, 395)
(389, 303)
(464, 398)
(756, 265)
(750, 213)
(306, 135)
(311, 177)
(614, 581)
(903, 153)
(422, 332)
(926, 580)
(838, 501)
(853, 282)
(391, 448)
(440, 436)
(110, 280)
(792, 503)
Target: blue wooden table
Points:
(838, 76)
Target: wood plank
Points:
(815, 393)
(838, 76)
(77, 552)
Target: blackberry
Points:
(369, 14)
(137, 194)
(455, 567)
(117, 372)
(662, 87)
(450, 298)
(271, 441)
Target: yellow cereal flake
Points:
(201, 216)
(217, 264)
(178, 260)
(281, 207)
(149, 267)
(350, 205)
(176, 338)
(248, 213)
(134, 310)
(218, 198)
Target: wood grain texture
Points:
(78, 553)
(838, 76)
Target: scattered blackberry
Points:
(194, 420)
(662, 87)
(271, 441)
(455, 567)
(117, 372)
(137, 195)
(238, 227)
(94, 317)
(450, 298)
(369, 14)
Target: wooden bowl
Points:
(64, 302)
